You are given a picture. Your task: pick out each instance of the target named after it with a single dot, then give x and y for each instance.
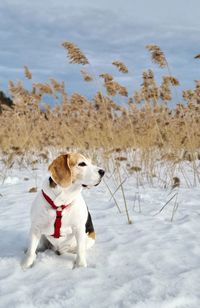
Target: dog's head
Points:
(75, 168)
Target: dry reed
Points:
(145, 122)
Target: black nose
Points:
(101, 172)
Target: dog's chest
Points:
(67, 220)
(44, 217)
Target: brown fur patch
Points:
(61, 168)
(92, 235)
(73, 159)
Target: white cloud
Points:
(32, 32)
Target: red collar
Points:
(57, 224)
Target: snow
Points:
(11, 180)
(151, 263)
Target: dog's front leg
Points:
(31, 251)
(81, 247)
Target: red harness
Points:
(57, 224)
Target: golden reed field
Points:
(148, 123)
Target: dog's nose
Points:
(101, 172)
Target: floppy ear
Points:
(60, 170)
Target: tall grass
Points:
(147, 123)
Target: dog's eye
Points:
(82, 164)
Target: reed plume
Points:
(57, 86)
(43, 88)
(120, 66)
(107, 77)
(157, 55)
(75, 55)
(86, 75)
(27, 72)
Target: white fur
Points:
(73, 218)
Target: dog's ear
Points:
(60, 170)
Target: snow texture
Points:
(151, 263)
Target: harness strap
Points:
(58, 221)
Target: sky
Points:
(31, 33)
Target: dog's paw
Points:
(80, 263)
(28, 261)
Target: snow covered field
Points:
(152, 263)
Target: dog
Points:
(59, 215)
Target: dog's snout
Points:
(101, 172)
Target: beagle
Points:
(59, 214)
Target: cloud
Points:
(32, 32)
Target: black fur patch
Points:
(89, 228)
(52, 183)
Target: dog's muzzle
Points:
(101, 173)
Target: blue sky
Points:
(31, 33)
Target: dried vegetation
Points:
(148, 122)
